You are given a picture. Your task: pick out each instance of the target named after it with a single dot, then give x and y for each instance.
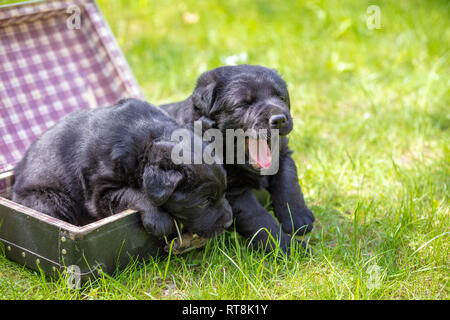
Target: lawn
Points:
(371, 141)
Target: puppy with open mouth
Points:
(247, 97)
(98, 162)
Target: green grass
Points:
(371, 142)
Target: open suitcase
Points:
(55, 57)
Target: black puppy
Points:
(252, 97)
(96, 163)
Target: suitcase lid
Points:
(56, 56)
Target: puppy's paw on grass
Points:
(157, 225)
(299, 224)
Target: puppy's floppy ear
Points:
(159, 183)
(203, 99)
(204, 95)
(124, 155)
(159, 178)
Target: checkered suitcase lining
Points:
(48, 70)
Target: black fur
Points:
(95, 163)
(244, 97)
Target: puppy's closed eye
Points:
(204, 203)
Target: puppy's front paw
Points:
(299, 223)
(158, 225)
(295, 244)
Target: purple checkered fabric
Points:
(48, 70)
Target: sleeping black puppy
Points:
(96, 163)
(244, 97)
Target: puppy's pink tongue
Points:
(260, 152)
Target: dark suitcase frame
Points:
(46, 244)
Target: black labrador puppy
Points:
(96, 163)
(244, 97)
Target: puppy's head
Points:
(244, 97)
(194, 194)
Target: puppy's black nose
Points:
(278, 121)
